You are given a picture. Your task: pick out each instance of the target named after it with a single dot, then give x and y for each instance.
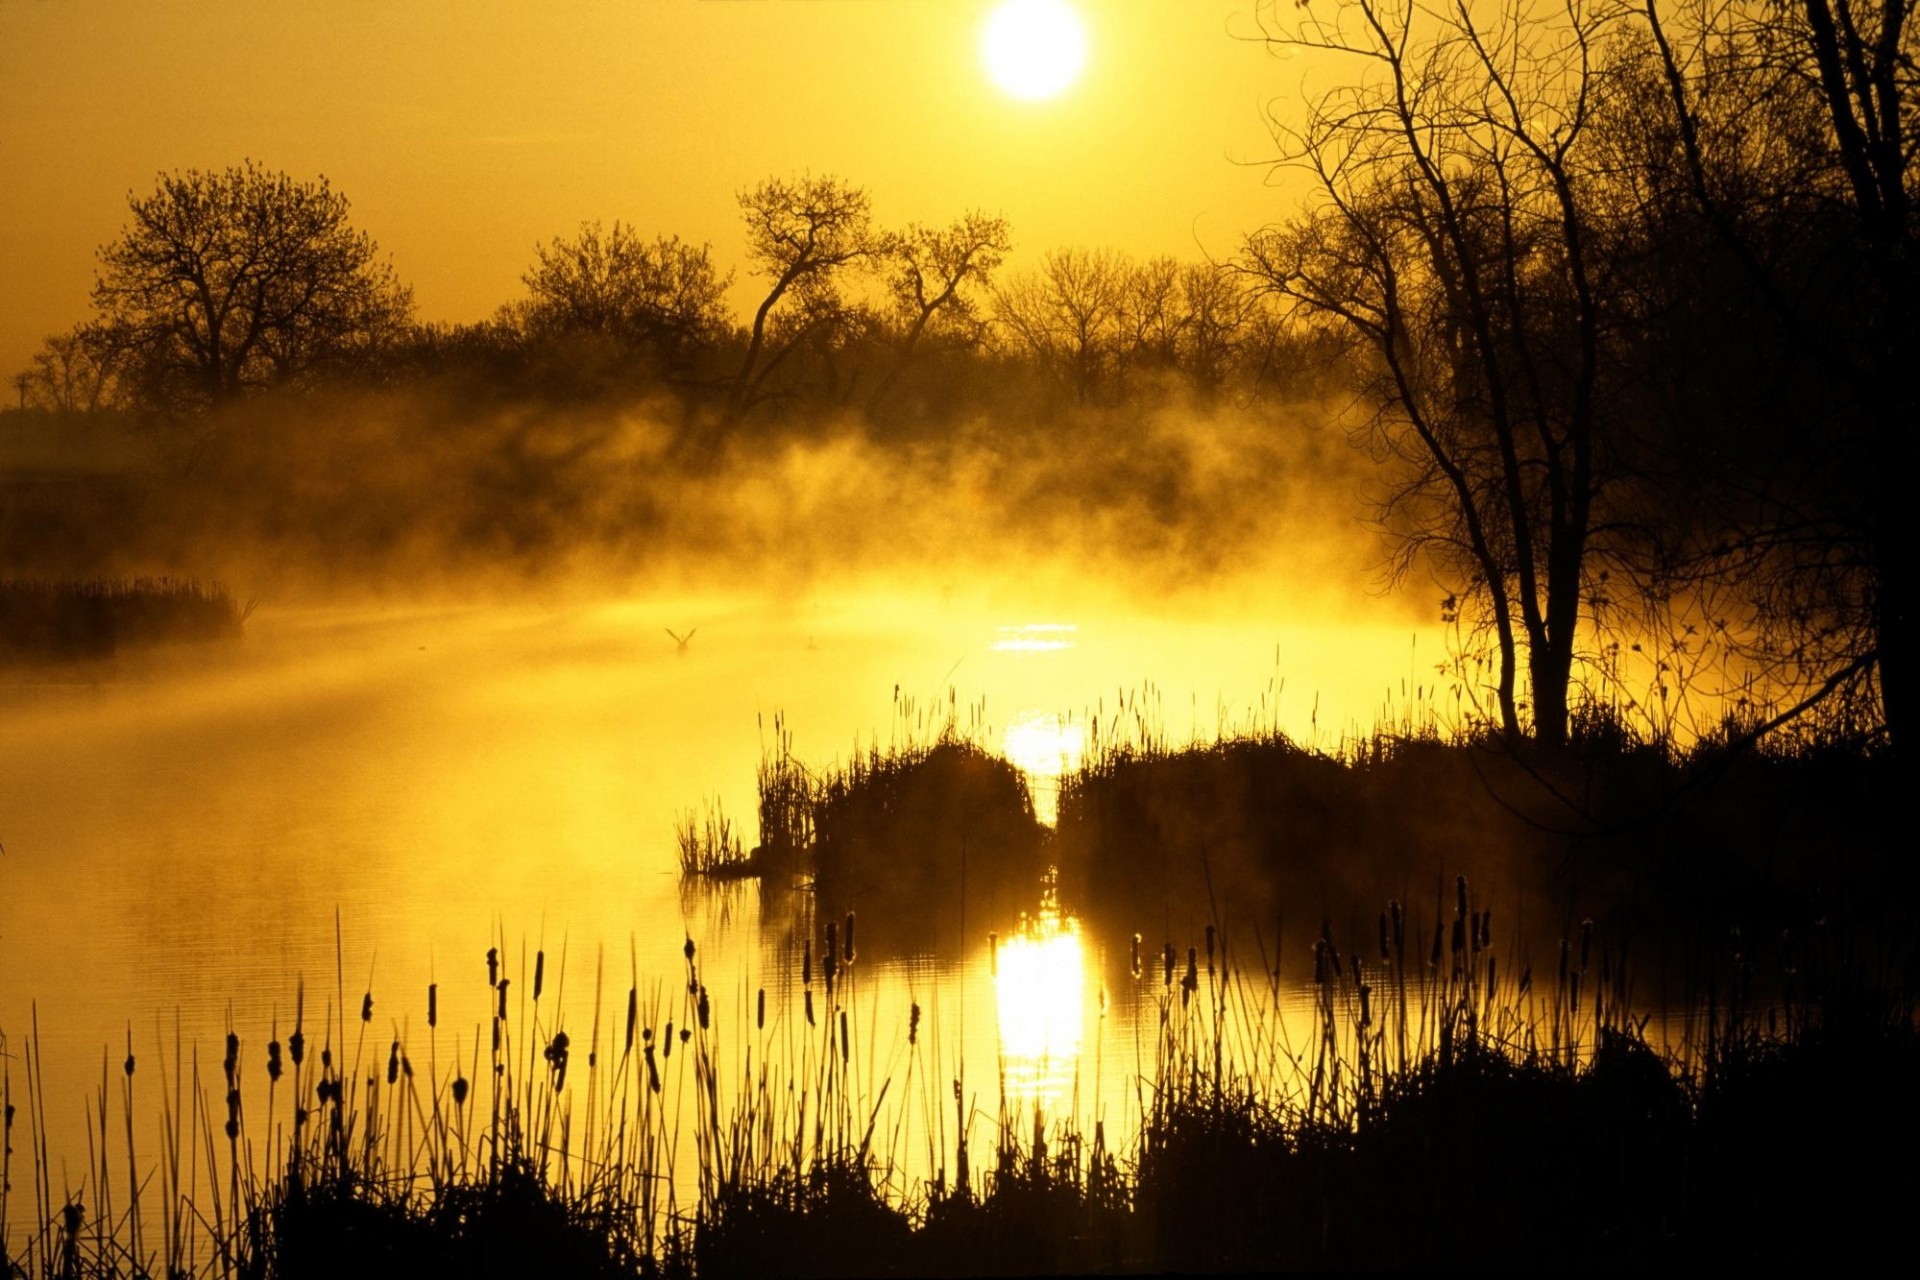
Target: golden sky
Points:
(466, 131)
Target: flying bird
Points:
(682, 640)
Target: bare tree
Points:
(75, 371)
(1793, 140)
(1151, 316)
(932, 275)
(1216, 306)
(1067, 315)
(661, 296)
(1453, 237)
(225, 282)
(801, 234)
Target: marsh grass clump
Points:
(74, 620)
(1729, 830)
(913, 826)
(710, 847)
(895, 825)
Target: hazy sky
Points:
(465, 131)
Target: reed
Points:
(1407, 1094)
(93, 618)
(710, 847)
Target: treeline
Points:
(233, 283)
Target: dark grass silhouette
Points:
(1434, 1114)
(73, 620)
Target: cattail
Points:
(459, 1091)
(539, 972)
(843, 1037)
(685, 1035)
(809, 994)
(913, 1023)
(1433, 958)
(1460, 897)
(633, 1009)
(433, 1004)
(1459, 936)
(393, 1063)
(366, 1007)
(493, 967)
(830, 958)
(704, 1008)
(1491, 986)
(760, 1011)
(326, 1059)
(273, 1061)
(1209, 949)
(1399, 926)
(687, 950)
(406, 1066)
(806, 964)
(1167, 963)
(1136, 957)
(232, 1060)
(296, 1047)
(504, 984)
(666, 1042)
(848, 956)
(556, 1055)
(653, 1072)
(1366, 1003)
(129, 1062)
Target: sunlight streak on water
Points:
(1045, 747)
(1039, 994)
(1037, 637)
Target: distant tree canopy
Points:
(660, 297)
(247, 278)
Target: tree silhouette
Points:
(1067, 315)
(226, 282)
(801, 233)
(661, 297)
(1454, 239)
(1793, 139)
(931, 276)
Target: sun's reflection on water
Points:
(1036, 637)
(1039, 994)
(1045, 747)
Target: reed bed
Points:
(710, 847)
(67, 619)
(1442, 1102)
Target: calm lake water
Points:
(362, 800)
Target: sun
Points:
(1034, 49)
